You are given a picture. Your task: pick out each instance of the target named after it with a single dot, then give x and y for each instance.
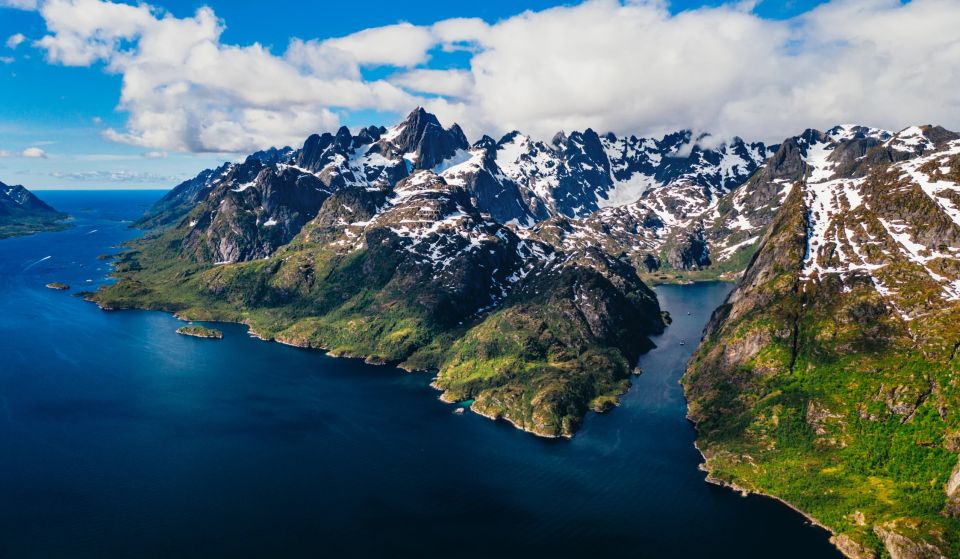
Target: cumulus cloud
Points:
(185, 90)
(451, 83)
(14, 40)
(636, 68)
(393, 45)
(19, 4)
(630, 67)
(31, 152)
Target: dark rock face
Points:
(182, 198)
(253, 219)
(515, 180)
(18, 197)
(604, 293)
(692, 253)
(422, 136)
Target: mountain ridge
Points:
(23, 213)
(828, 378)
(506, 268)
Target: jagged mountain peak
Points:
(920, 139)
(517, 179)
(272, 156)
(422, 140)
(843, 132)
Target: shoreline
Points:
(703, 466)
(367, 360)
(744, 492)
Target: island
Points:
(200, 332)
(57, 286)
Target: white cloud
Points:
(455, 83)
(635, 68)
(34, 152)
(14, 40)
(629, 67)
(184, 90)
(155, 155)
(402, 44)
(459, 31)
(31, 152)
(19, 4)
(6, 60)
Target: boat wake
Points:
(37, 262)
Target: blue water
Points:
(120, 438)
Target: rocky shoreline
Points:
(200, 332)
(744, 492)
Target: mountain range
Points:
(23, 213)
(516, 270)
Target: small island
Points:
(58, 286)
(200, 332)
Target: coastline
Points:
(704, 466)
(369, 360)
(744, 492)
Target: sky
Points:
(112, 94)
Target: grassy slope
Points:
(820, 397)
(20, 226)
(527, 362)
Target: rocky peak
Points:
(272, 156)
(487, 144)
(24, 198)
(343, 139)
(312, 155)
(368, 135)
(422, 140)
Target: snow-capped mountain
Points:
(839, 344)
(17, 199)
(243, 211)
(578, 174)
(892, 218)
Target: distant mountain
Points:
(515, 269)
(23, 213)
(830, 376)
(247, 210)
(386, 245)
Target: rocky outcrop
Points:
(953, 492)
(251, 220)
(899, 546)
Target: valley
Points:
(512, 272)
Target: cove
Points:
(121, 438)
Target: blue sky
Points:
(65, 110)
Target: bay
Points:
(121, 438)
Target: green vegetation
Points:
(728, 270)
(57, 286)
(538, 361)
(819, 395)
(199, 331)
(28, 225)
